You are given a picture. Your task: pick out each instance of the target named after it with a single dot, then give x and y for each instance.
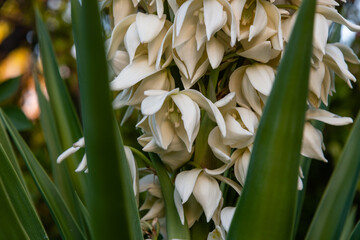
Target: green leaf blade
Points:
(109, 178)
(62, 216)
(266, 209)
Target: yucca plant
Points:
(222, 93)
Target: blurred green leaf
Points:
(6, 144)
(355, 234)
(66, 119)
(110, 181)
(18, 118)
(10, 225)
(19, 199)
(9, 88)
(330, 216)
(174, 228)
(61, 213)
(349, 224)
(60, 172)
(266, 209)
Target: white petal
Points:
(200, 35)
(215, 51)
(261, 77)
(236, 135)
(190, 115)
(148, 26)
(274, 19)
(213, 24)
(312, 143)
(185, 183)
(152, 104)
(162, 129)
(260, 21)
(67, 153)
(225, 100)
(133, 73)
(154, 46)
(133, 169)
(80, 142)
(208, 106)
(220, 150)
(333, 15)
(327, 117)
(208, 194)
(118, 33)
(83, 165)
(176, 159)
(251, 95)
(180, 16)
(159, 8)
(227, 215)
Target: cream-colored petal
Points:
(181, 16)
(121, 9)
(327, 117)
(251, 95)
(176, 159)
(133, 73)
(213, 24)
(235, 82)
(261, 77)
(236, 135)
(118, 34)
(225, 101)
(241, 166)
(131, 41)
(207, 193)
(154, 46)
(156, 211)
(333, 15)
(249, 118)
(349, 54)
(334, 58)
(120, 61)
(260, 21)
(274, 21)
(200, 35)
(162, 129)
(179, 206)
(215, 51)
(216, 234)
(237, 6)
(185, 183)
(312, 143)
(321, 29)
(188, 53)
(261, 52)
(316, 79)
(226, 217)
(209, 107)
(159, 8)
(220, 150)
(148, 26)
(166, 42)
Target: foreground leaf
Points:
(10, 226)
(63, 218)
(266, 209)
(109, 175)
(337, 199)
(60, 172)
(19, 199)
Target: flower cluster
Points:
(200, 70)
